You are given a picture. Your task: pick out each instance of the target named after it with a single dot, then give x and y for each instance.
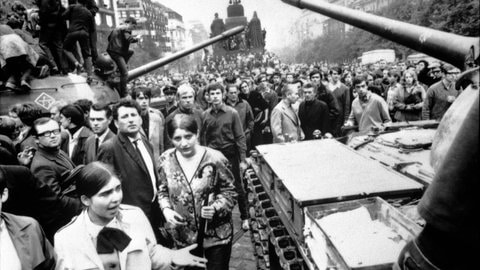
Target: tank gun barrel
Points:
(454, 49)
(139, 71)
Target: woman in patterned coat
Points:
(196, 186)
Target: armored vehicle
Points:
(325, 205)
(46, 91)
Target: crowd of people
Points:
(87, 173)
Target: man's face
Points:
(142, 101)
(315, 78)
(276, 79)
(335, 76)
(385, 73)
(170, 98)
(244, 88)
(376, 66)
(232, 94)
(186, 100)
(216, 96)
(289, 78)
(452, 75)
(362, 89)
(292, 97)
(437, 73)
(55, 114)
(383, 64)
(48, 135)
(370, 80)
(129, 121)
(309, 94)
(402, 66)
(99, 121)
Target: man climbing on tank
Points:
(118, 48)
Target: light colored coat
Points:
(283, 121)
(156, 124)
(77, 251)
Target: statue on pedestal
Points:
(255, 35)
(217, 26)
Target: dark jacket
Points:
(312, 117)
(119, 42)
(326, 96)
(79, 17)
(90, 151)
(132, 172)
(33, 249)
(80, 150)
(51, 169)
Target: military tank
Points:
(313, 202)
(46, 91)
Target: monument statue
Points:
(254, 34)
(217, 26)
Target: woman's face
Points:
(184, 142)
(408, 78)
(104, 206)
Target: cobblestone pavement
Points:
(242, 251)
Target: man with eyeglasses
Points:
(441, 94)
(51, 166)
(368, 109)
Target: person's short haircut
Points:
(230, 79)
(336, 69)
(128, 103)
(7, 126)
(287, 89)
(184, 88)
(182, 121)
(102, 107)
(75, 113)
(131, 20)
(40, 121)
(232, 86)
(298, 81)
(358, 80)
(169, 90)
(313, 72)
(147, 92)
(91, 178)
(309, 85)
(29, 112)
(215, 86)
(84, 103)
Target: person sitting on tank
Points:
(43, 64)
(17, 59)
(81, 26)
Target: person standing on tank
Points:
(118, 48)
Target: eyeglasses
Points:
(49, 133)
(363, 85)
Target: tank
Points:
(306, 196)
(46, 91)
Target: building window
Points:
(98, 19)
(124, 14)
(109, 20)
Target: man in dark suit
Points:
(131, 156)
(100, 117)
(22, 241)
(72, 119)
(51, 166)
(313, 114)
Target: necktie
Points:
(110, 239)
(96, 146)
(140, 153)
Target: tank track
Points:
(273, 247)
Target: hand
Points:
(451, 99)
(317, 133)
(173, 217)
(25, 157)
(207, 212)
(183, 257)
(418, 106)
(328, 135)
(243, 166)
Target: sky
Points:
(276, 17)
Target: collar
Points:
(76, 134)
(133, 140)
(235, 103)
(102, 137)
(93, 229)
(333, 86)
(222, 107)
(286, 103)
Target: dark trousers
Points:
(218, 257)
(51, 42)
(232, 156)
(121, 62)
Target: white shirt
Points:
(148, 161)
(101, 138)
(8, 254)
(73, 141)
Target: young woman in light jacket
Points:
(110, 235)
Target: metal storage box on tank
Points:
(379, 210)
(297, 175)
(404, 147)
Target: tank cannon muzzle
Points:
(457, 50)
(139, 71)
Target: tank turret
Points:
(46, 91)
